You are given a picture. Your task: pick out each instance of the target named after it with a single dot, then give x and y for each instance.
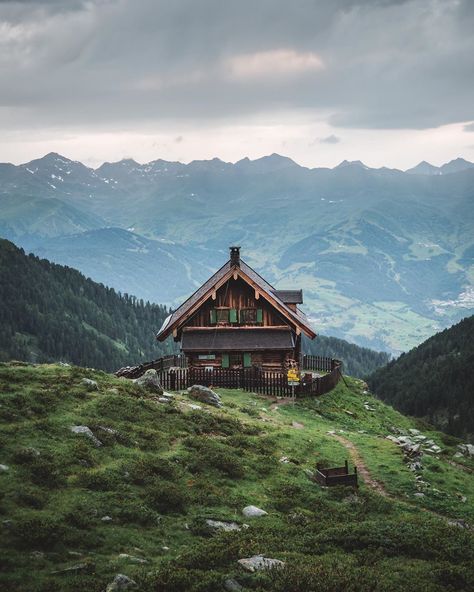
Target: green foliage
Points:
(434, 380)
(357, 361)
(162, 472)
(49, 312)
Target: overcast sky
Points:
(389, 82)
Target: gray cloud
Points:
(118, 64)
(332, 139)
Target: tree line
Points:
(50, 312)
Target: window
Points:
(251, 316)
(222, 315)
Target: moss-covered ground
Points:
(72, 514)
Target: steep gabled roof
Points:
(290, 296)
(249, 275)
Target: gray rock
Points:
(150, 382)
(225, 526)
(91, 385)
(205, 395)
(64, 364)
(119, 583)
(132, 558)
(4, 468)
(459, 523)
(165, 399)
(419, 494)
(106, 518)
(259, 563)
(467, 449)
(253, 512)
(232, 585)
(87, 432)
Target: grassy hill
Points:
(75, 514)
(435, 380)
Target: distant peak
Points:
(55, 156)
(129, 162)
(270, 162)
(352, 163)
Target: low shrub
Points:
(39, 530)
(166, 497)
(147, 468)
(211, 455)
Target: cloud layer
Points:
(123, 65)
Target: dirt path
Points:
(362, 469)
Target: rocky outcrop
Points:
(150, 382)
(259, 563)
(205, 395)
(253, 512)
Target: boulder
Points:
(120, 582)
(80, 429)
(232, 585)
(467, 449)
(205, 395)
(91, 385)
(150, 382)
(225, 526)
(4, 468)
(253, 512)
(259, 563)
(106, 518)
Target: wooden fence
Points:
(252, 379)
(317, 363)
(174, 375)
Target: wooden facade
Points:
(237, 320)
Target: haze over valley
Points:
(385, 257)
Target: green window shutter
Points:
(233, 315)
(213, 316)
(225, 360)
(247, 360)
(259, 315)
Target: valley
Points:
(385, 257)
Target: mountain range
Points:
(385, 257)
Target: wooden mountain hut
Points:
(238, 320)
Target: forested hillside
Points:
(49, 312)
(357, 361)
(435, 380)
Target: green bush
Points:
(211, 455)
(173, 578)
(32, 497)
(146, 468)
(101, 480)
(166, 497)
(39, 530)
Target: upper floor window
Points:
(233, 316)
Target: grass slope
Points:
(164, 468)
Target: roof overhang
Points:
(178, 318)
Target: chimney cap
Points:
(235, 255)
